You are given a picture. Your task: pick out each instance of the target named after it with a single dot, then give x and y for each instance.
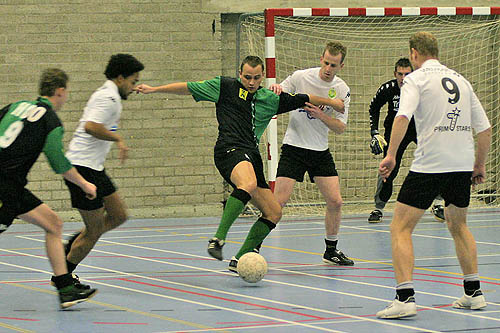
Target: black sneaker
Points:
(215, 248)
(375, 216)
(67, 243)
(257, 248)
(336, 257)
(72, 295)
(233, 264)
(438, 211)
(76, 282)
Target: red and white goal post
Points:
(294, 38)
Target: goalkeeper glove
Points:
(377, 143)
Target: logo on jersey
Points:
(332, 93)
(243, 94)
(395, 103)
(453, 116)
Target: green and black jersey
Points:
(26, 129)
(242, 116)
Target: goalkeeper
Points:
(388, 93)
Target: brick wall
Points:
(170, 171)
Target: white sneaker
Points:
(399, 309)
(474, 302)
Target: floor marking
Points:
(13, 328)
(229, 293)
(179, 321)
(173, 298)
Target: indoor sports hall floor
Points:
(155, 276)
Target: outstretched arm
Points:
(178, 88)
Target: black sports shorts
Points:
(295, 161)
(420, 189)
(100, 179)
(226, 160)
(15, 202)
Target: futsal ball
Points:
(252, 267)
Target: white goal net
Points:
(469, 44)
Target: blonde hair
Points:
(335, 48)
(425, 43)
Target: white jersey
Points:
(445, 109)
(104, 107)
(304, 131)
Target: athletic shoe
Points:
(438, 211)
(215, 248)
(474, 302)
(233, 264)
(399, 309)
(257, 248)
(336, 257)
(67, 243)
(375, 216)
(73, 295)
(76, 282)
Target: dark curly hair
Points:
(122, 64)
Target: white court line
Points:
(294, 272)
(183, 299)
(282, 226)
(420, 235)
(382, 322)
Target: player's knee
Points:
(250, 186)
(119, 218)
(334, 204)
(56, 225)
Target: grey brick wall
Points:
(170, 171)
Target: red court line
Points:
(223, 299)
(23, 319)
(106, 323)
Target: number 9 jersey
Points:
(446, 110)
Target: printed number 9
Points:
(452, 91)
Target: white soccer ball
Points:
(252, 267)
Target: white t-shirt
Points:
(103, 107)
(445, 109)
(304, 131)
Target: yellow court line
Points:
(13, 328)
(118, 307)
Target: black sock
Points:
(331, 245)
(402, 295)
(71, 266)
(62, 281)
(470, 287)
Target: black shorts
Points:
(15, 202)
(420, 189)
(100, 179)
(225, 161)
(295, 161)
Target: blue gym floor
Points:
(155, 276)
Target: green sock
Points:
(233, 209)
(259, 231)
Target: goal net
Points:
(293, 39)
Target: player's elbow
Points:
(339, 128)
